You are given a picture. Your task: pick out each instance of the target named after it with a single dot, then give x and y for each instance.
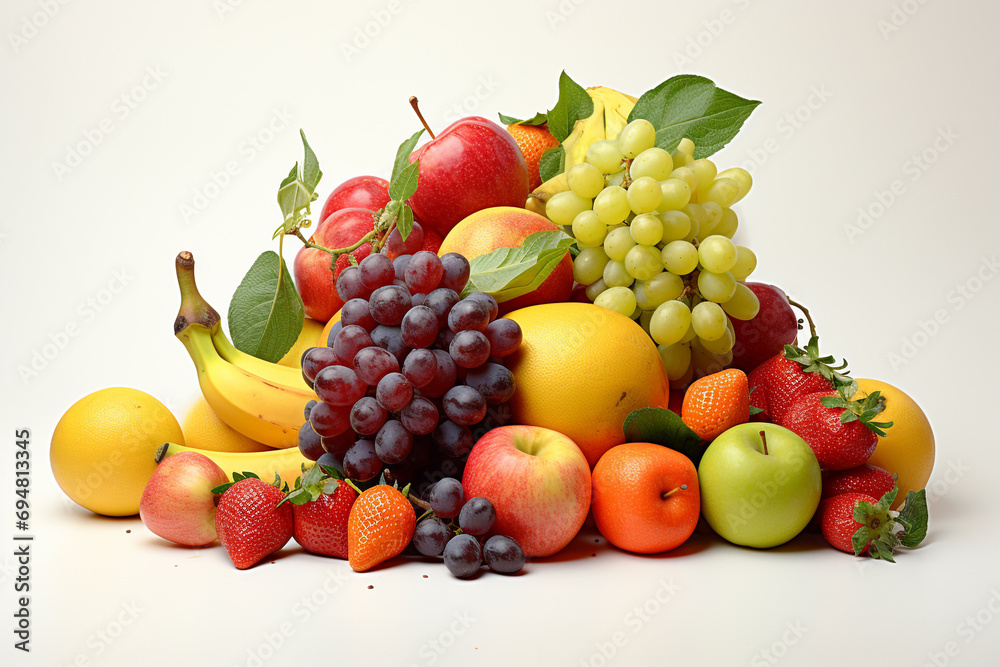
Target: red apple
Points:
(764, 336)
(473, 164)
(370, 192)
(538, 481)
(177, 503)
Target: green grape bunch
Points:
(655, 231)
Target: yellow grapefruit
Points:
(580, 370)
(204, 430)
(325, 335)
(307, 338)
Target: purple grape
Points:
(488, 301)
(334, 330)
(316, 359)
(430, 536)
(376, 270)
(424, 272)
(399, 474)
(308, 409)
(388, 304)
(356, 312)
(329, 420)
(477, 516)
(469, 315)
(350, 340)
(349, 285)
(394, 392)
(503, 554)
(393, 442)
(441, 301)
(419, 327)
(421, 453)
(419, 367)
(418, 299)
(339, 444)
(339, 385)
(469, 349)
(444, 339)
(367, 416)
(328, 460)
(462, 556)
(361, 463)
(504, 336)
(391, 339)
(399, 266)
(420, 416)
(373, 363)
(446, 497)
(456, 271)
(453, 439)
(310, 442)
(493, 381)
(464, 405)
(395, 244)
(444, 376)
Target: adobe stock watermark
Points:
(217, 180)
(120, 109)
(900, 15)
(912, 170)
(470, 104)
(787, 126)
(34, 23)
(104, 637)
(966, 632)
(434, 648)
(712, 30)
(561, 12)
(86, 312)
(224, 7)
(956, 299)
(370, 31)
(634, 621)
(779, 648)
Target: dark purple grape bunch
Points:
(464, 550)
(412, 371)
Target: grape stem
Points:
(422, 504)
(336, 251)
(627, 179)
(805, 311)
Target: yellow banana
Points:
(286, 463)
(275, 373)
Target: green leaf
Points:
(552, 162)
(574, 104)
(266, 312)
(913, 516)
(403, 154)
(298, 190)
(663, 427)
(860, 538)
(507, 273)
(405, 184)
(539, 118)
(404, 223)
(311, 173)
(693, 107)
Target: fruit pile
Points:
(456, 397)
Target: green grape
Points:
(606, 156)
(589, 265)
(643, 262)
(639, 289)
(676, 225)
(644, 320)
(720, 345)
(616, 275)
(728, 225)
(717, 287)
(722, 191)
(594, 289)
(619, 299)
(687, 175)
(744, 305)
(689, 335)
(713, 214)
(686, 146)
(699, 219)
(611, 205)
(746, 262)
(646, 229)
(681, 159)
(617, 243)
(705, 362)
(676, 359)
(717, 254)
(616, 179)
(653, 162)
(585, 180)
(636, 313)
(705, 170)
(670, 322)
(636, 137)
(664, 286)
(588, 230)
(708, 320)
(563, 207)
(675, 195)
(742, 179)
(644, 195)
(679, 257)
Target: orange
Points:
(204, 430)
(645, 497)
(908, 446)
(717, 402)
(580, 370)
(533, 140)
(325, 334)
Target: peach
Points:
(177, 503)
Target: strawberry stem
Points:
(416, 109)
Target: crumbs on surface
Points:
(370, 587)
(425, 576)
(128, 531)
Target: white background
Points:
(868, 96)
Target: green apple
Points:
(760, 485)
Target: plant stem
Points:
(422, 504)
(763, 440)
(336, 251)
(416, 109)
(805, 311)
(667, 494)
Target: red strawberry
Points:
(249, 521)
(321, 507)
(380, 526)
(858, 524)
(837, 445)
(867, 478)
(779, 381)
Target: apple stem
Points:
(763, 440)
(682, 487)
(416, 109)
(805, 311)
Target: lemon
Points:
(204, 430)
(311, 330)
(102, 448)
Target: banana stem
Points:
(194, 309)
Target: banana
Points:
(275, 373)
(286, 463)
(260, 408)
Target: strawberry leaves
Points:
(811, 362)
(240, 476)
(877, 531)
(863, 410)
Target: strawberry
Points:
(379, 528)
(866, 478)
(858, 524)
(716, 403)
(779, 381)
(249, 521)
(321, 505)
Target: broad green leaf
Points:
(574, 104)
(298, 190)
(507, 273)
(552, 163)
(403, 154)
(311, 173)
(663, 427)
(693, 107)
(539, 118)
(405, 184)
(266, 312)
